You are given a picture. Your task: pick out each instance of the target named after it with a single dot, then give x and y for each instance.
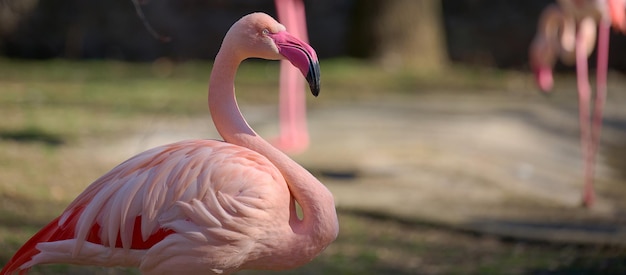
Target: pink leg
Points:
(600, 98)
(584, 94)
(294, 137)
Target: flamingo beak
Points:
(301, 55)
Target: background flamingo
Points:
(201, 206)
(568, 30)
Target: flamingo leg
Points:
(293, 135)
(584, 94)
(599, 100)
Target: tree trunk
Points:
(400, 33)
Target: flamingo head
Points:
(543, 77)
(542, 58)
(259, 35)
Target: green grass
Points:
(68, 100)
(56, 113)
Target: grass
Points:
(56, 114)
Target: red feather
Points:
(53, 232)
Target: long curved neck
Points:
(319, 224)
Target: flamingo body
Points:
(187, 196)
(556, 37)
(201, 206)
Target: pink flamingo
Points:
(201, 206)
(293, 136)
(568, 30)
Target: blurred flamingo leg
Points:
(293, 136)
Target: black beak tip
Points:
(315, 89)
(313, 78)
(314, 84)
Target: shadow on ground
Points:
(28, 135)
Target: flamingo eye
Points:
(266, 31)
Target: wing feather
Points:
(198, 213)
(150, 184)
(140, 186)
(89, 213)
(226, 202)
(125, 221)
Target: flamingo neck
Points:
(225, 112)
(319, 225)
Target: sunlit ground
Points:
(56, 113)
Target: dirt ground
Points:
(503, 163)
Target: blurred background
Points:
(443, 156)
(424, 33)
